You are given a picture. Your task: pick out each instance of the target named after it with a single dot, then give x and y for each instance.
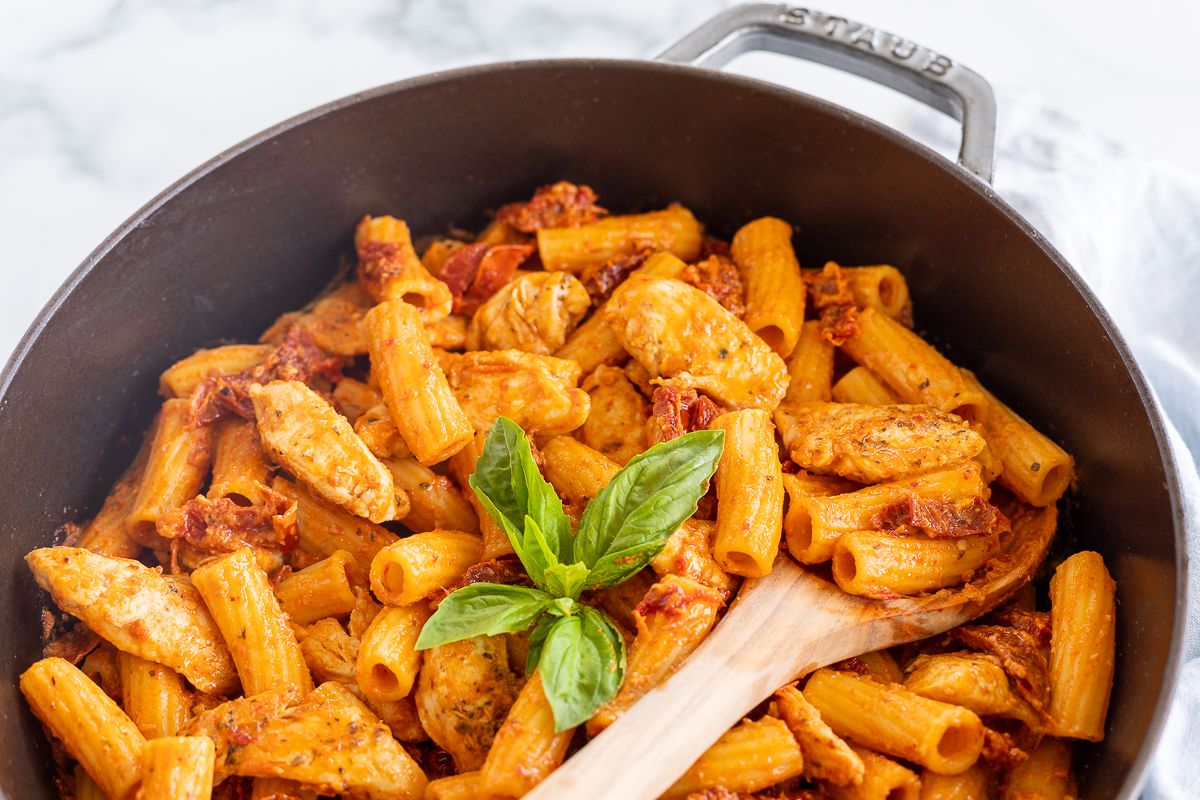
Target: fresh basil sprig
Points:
(578, 649)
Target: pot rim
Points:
(1139, 766)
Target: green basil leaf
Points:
(630, 518)
(482, 609)
(499, 474)
(537, 640)
(566, 580)
(561, 607)
(582, 664)
(511, 489)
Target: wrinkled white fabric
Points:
(1131, 227)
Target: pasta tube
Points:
(797, 525)
(182, 377)
(861, 386)
(883, 779)
(1035, 468)
(449, 333)
(387, 661)
(325, 529)
(316, 444)
(464, 786)
(882, 288)
(422, 405)
(388, 268)
(816, 523)
(85, 787)
(435, 502)
(526, 748)
(417, 566)
(675, 616)
(139, 610)
(942, 737)
(379, 433)
(576, 471)
(1082, 646)
(106, 533)
(972, 680)
(239, 465)
(911, 367)
(155, 697)
(774, 289)
(826, 757)
(673, 229)
(882, 565)
(974, 784)
(90, 725)
(749, 757)
(319, 590)
(810, 367)
(881, 666)
(264, 648)
(749, 494)
(352, 398)
(177, 768)
(175, 472)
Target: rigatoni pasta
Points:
(673, 229)
(417, 566)
(177, 768)
(387, 661)
(1082, 646)
(749, 494)
(303, 507)
(912, 367)
(155, 697)
(423, 408)
(751, 756)
(940, 736)
(319, 590)
(254, 627)
(90, 725)
(774, 288)
(175, 471)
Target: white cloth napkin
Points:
(1131, 227)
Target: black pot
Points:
(261, 228)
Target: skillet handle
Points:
(876, 55)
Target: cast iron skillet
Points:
(259, 229)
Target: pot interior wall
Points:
(261, 232)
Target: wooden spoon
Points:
(781, 626)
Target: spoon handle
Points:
(773, 633)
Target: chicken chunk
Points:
(685, 338)
(537, 392)
(464, 692)
(305, 435)
(872, 444)
(535, 313)
(139, 610)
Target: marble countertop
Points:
(104, 105)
